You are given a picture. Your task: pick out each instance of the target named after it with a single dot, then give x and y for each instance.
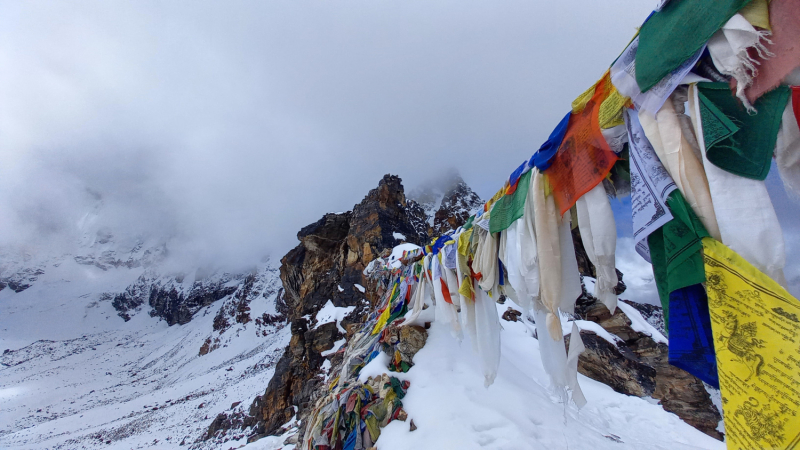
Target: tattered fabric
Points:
(609, 114)
(570, 275)
(623, 75)
(691, 344)
(485, 262)
(787, 148)
(487, 327)
(599, 234)
(674, 34)
(549, 253)
(650, 187)
(729, 51)
(785, 48)
(669, 139)
(514, 177)
(675, 250)
(736, 141)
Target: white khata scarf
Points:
(549, 252)
(599, 234)
(728, 48)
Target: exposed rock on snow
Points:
(403, 342)
(638, 365)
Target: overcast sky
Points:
(231, 125)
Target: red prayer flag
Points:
(513, 188)
(796, 103)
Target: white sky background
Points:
(229, 126)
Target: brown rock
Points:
(640, 366)
(407, 340)
(511, 315)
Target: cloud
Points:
(231, 126)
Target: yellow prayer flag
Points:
(756, 327)
(385, 314)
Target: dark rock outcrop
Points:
(327, 265)
(21, 279)
(457, 205)
(653, 314)
(638, 365)
(169, 299)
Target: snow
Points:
(360, 288)
(399, 236)
(378, 366)
(330, 313)
(638, 273)
(590, 283)
(638, 323)
(452, 409)
(79, 375)
(590, 326)
(341, 289)
(336, 346)
(397, 253)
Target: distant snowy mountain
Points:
(76, 375)
(106, 344)
(447, 202)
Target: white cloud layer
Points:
(231, 125)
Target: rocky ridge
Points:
(328, 264)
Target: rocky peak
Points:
(328, 264)
(447, 202)
(457, 205)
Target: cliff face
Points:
(327, 264)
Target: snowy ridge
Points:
(451, 408)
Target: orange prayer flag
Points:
(584, 157)
(446, 292)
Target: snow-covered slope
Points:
(76, 375)
(452, 409)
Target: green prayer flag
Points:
(510, 207)
(676, 250)
(736, 141)
(671, 36)
(468, 225)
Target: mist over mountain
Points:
(225, 130)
